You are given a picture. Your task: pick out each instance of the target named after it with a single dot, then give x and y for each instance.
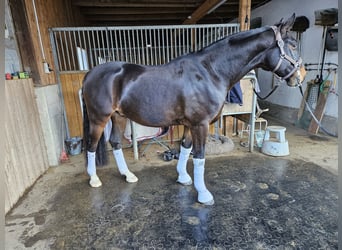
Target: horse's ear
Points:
(286, 26)
(279, 23)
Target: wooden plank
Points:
(26, 156)
(66, 81)
(244, 14)
(201, 11)
(49, 14)
(70, 84)
(76, 85)
(24, 39)
(320, 108)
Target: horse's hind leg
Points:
(185, 150)
(115, 141)
(94, 136)
(199, 135)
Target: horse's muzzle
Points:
(297, 78)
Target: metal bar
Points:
(58, 78)
(68, 65)
(129, 47)
(95, 54)
(134, 47)
(116, 45)
(62, 47)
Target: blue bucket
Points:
(74, 145)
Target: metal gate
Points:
(85, 47)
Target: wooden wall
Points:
(26, 157)
(71, 83)
(50, 13)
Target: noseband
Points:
(283, 57)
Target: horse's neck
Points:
(241, 53)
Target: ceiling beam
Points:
(132, 11)
(202, 10)
(135, 17)
(245, 14)
(142, 3)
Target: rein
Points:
(265, 97)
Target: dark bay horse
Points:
(190, 90)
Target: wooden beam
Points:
(134, 11)
(245, 14)
(141, 3)
(202, 10)
(136, 17)
(320, 108)
(24, 38)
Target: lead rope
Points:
(265, 97)
(312, 114)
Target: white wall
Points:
(51, 117)
(311, 45)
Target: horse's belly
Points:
(153, 115)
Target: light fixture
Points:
(216, 6)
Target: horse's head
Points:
(283, 58)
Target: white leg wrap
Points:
(122, 166)
(204, 196)
(91, 170)
(183, 176)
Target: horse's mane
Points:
(246, 35)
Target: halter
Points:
(283, 56)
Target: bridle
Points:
(283, 56)
(296, 64)
(296, 67)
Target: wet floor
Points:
(260, 203)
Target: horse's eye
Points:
(293, 46)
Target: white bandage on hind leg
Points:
(122, 166)
(91, 170)
(204, 196)
(183, 176)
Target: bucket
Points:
(74, 145)
(259, 137)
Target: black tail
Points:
(101, 150)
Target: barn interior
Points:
(265, 198)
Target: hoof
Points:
(185, 180)
(95, 181)
(130, 177)
(206, 198)
(186, 183)
(208, 203)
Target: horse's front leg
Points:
(115, 141)
(199, 136)
(185, 150)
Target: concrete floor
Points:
(261, 202)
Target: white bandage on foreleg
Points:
(183, 176)
(91, 170)
(204, 196)
(122, 165)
